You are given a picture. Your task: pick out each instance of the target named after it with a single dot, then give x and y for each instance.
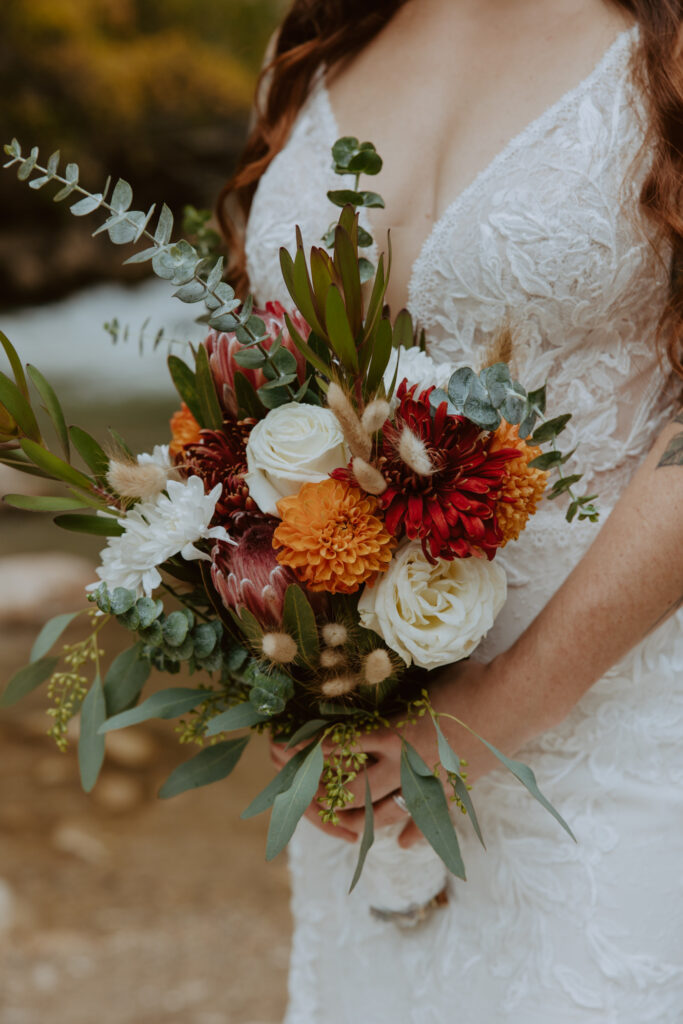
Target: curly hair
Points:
(317, 32)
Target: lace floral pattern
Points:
(549, 238)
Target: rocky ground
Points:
(118, 907)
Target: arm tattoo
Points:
(673, 455)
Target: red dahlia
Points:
(220, 456)
(451, 510)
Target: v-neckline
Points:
(516, 142)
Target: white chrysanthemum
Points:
(157, 530)
(433, 614)
(418, 368)
(159, 456)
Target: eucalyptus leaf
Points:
(27, 679)
(241, 716)
(306, 731)
(279, 784)
(50, 634)
(169, 703)
(91, 741)
(290, 805)
(368, 837)
(462, 793)
(426, 801)
(210, 765)
(549, 430)
(124, 680)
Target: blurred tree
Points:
(156, 91)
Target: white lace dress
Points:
(544, 931)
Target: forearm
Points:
(627, 583)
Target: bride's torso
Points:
(548, 237)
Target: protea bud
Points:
(247, 574)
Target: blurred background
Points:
(118, 907)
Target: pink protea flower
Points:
(223, 347)
(246, 574)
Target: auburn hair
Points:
(317, 32)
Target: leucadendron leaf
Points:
(210, 765)
(428, 806)
(290, 805)
(298, 619)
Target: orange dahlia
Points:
(184, 430)
(331, 537)
(522, 484)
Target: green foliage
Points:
(298, 619)
(210, 765)
(282, 781)
(27, 679)
(426, 801)
(368, 837)
(50, 634)
(90, 742)
(290, 804)
(169, 703)
(241, 716)
(125, 679)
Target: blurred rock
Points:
(130, 748)
(118, 793)
(54, 770)
(79, 842)
(36, 586)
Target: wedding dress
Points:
(544, 931)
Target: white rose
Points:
(295, 444)
(433, 615)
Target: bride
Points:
(533, 174)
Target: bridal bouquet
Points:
(317, 533)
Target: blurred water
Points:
(67, 342)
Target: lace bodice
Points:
(550, 238)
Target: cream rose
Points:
(433, 615)
(295, 444)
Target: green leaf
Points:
(307, 730)
(447, 756)
(549, 430)
(290, 805)
(537, 399)
(298, 619)
(241, 716)
(43, 503)
(339, 330)
(367, 161)
(209, 765)
(371, 200)
(279, 784)
(344, 150)
(426, 801)
(563, 484)
(381, 353)
(459, 385)
(346, 262)
(100, 526)
(54, 466)
(303, 346)
(165, 704)
(12, 399)
(250, 358)
(345, 197)
(175, 629)
(548, 460)
(90, 740)
(212, 414)
(527, 778)
(368, 837)
(249, 625)
(185, 382)
(124, 681)
(270, 692)
(27, 679)
(90, 451)
(50, 634)
(462, 792)
(376, 301)
(15, 363)
(248, 401)
(303, 290)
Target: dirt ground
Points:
(119, 908)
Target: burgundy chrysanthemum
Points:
(220, 456)
(451, 510)
(247, 574)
